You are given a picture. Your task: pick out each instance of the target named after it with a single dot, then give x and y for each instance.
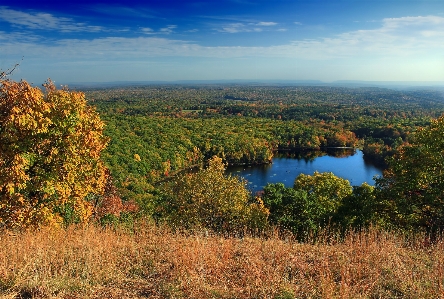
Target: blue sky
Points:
(99, 41)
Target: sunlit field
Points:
(152, 262)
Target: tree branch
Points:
(8, 72)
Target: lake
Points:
(345, 163)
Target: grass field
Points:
(152, 262)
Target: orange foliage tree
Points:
(50, 146)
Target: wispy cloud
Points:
(165, 30)
(46, 21)
(234, 28)
(168, 30)
(396, 37)
(417, 22)
(147, 30)
(246, 27)
(119, 11)
(266, 24)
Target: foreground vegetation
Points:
(153, 262)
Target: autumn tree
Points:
(412, 188)
(50, 146)
(210, 199)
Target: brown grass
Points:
(152, 262)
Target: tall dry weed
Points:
(152, 262)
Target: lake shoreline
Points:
(348, 163)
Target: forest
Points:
(155, 140)
(158, 131)
(121, 157)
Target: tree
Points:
(413, 185)
(311, 204)
(209, 199)
(291, 209)
(50, 146)
(326, 188)
(360, 209)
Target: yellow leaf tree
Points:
(50, 145)
(209, 199)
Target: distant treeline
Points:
(172, 127)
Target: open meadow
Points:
(153, 262)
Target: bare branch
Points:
(8, 72)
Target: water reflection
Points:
(310, 155)
(345, 162)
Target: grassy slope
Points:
(154, 263)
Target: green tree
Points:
(291, 209)
(413, 185)
(209, 199)
(311, 204)
(360, 209)
(50, 146)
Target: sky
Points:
(163, 40)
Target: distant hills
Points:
(340, 83)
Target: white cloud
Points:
(168, 30)
(147, 30)
(266, 24)
(44, 21)
(393, 23)
(246, 27)
(413, 41)
(234, 28)
(395, 38)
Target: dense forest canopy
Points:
(158, 131)
(162, 137)
(261, 101)
(171, 127)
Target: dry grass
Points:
(155, 263)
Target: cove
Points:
(345, 163)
